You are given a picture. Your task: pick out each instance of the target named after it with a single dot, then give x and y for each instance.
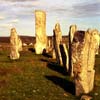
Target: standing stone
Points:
(57, 39)
(49, 46)
(83, 60)
(16, 45)
(49, 43)
(53, 50)
(53, 54)
(20, 44)
(72, 30)
(40, 31)
(93, 48)
(97, 44)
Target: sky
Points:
(20, 14)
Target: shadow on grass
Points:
(47, 55)
(51, 64)
(54, 66)
(68, 86)
(31, 49)
(44, 60)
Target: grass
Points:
(38, 77)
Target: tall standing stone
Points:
(40, 31)
(16, 45)
(97, 44)
(83, 60)
(57, 39)
(72, 30)
(20, 44)
(53, 50)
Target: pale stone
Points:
(49, 47)
(84, 46)
(57, 39)
(16, 44)
(72, 30)
(91, 75)
(53, 54)
(20, 44)
(80, 56)
(24, 44)
(40, 31)
(31, 44)
(53, 50)
(86, 97)
(97, 39)
(49, 43)
(93, 48)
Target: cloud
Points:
(2, 17)
(15, 21)
(28, 4)
(16, 0)
(87, 9)
(98, 0)
(6, 25)
(19, 8)
(78, 9)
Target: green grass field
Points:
(38, 77)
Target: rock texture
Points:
(57, 39)
(72, 30)
(40, 31)
(15, 44)
(84, 46)
(86, 97)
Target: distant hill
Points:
(28, 39)
(25, 39)
(5, 41)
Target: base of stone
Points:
(85, 83)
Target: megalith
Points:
(72, 30)
(40, 31)
(84, 46)
(57, 39)
(15, 45)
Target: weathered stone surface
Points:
(57, 39)
(65, 56)
(20, 44)
(49, 46)
(86, 97)
(93, 48)
(16, 44)
(84, 46)
(72, 30)
(98, 42)
(40, 31)
(91, 75)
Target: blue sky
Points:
(20, 14)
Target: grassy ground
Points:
(38, 77)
